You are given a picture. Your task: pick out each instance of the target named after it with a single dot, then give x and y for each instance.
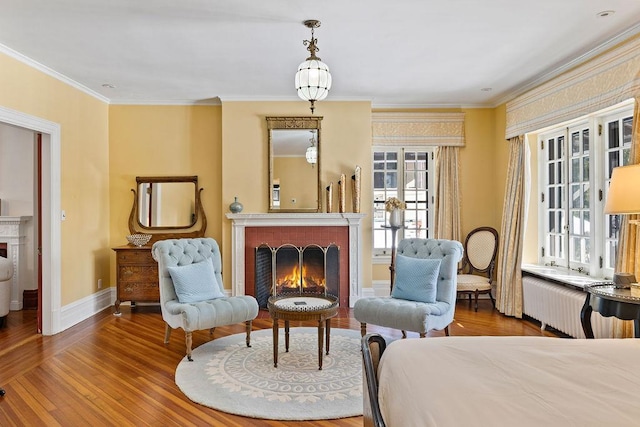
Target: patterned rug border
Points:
(229, 377)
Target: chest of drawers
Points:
(136, 275)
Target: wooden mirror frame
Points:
(294, 123)
(196, 229)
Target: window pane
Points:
(614, 137)
(586, 223)
(552, 176)
(552, 198)
(575, 196)
(391, 180)
(575, 143)
(392, 155)
(627, 127)
(575, 170)
(575, 223)
(552, 148)
(378, 156)
(614, 162)
(585, 168)
(585, 196)
(585, 141)
(560, 147)
(378, 180)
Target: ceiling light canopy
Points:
(313, 79)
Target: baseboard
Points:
(77, 311)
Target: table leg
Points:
(585, 317)
(275, 343)
(320, 343)
(328, 333)
(286, 336)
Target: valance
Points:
(432, 129)
(602, 82)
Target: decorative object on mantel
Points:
(394, 206)
(313, 79)
(236, 206)
(342, 186)
(330, 197)
(227, 376)
(138, 239)
(355, 189)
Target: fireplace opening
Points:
(296, 269)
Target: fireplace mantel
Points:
(242, 220)
(13, 234)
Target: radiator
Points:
(559, 307)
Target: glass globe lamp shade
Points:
(312, 155)
(313, 80)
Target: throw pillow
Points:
(416, 279)
(195, 282)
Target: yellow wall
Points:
(160, 141)
(292, 171)
(345, 142)
(85, 169)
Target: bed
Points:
(501, 381)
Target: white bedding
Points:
(510, 381)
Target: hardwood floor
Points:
(111, 370)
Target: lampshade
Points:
(313, 79)
(623, 196)
(312, 155)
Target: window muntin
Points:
(405, 173)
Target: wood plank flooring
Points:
(111, 370)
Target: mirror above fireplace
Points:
(294, 164)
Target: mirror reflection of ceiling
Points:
(409, 53)
(292, 142)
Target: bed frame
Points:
(373, 345)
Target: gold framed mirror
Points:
(294, 164)
(167, 206)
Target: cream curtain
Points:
(628, 242)
(447, 203)
(509, 280)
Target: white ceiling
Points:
(403, 53)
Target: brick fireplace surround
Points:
(275, 229)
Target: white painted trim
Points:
(51, 228)
(82, 309)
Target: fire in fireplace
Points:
(296, 269)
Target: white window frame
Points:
(379, 216)
(594, 262)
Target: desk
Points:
(316, 307)
(611, 300)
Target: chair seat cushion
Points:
(416, 279)
(401, 314)
(195, 282)
(471, 283)
(215, 312)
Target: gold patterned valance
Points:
(435, 129)
(602, 82)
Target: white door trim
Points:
(51, 213)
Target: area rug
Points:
(228, 376)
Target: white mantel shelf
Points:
(352, 220)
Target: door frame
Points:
(51, 213)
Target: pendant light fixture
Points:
(312, 151)
(313, 79)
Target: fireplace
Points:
(296, 269)
(250, 230)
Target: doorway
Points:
(51, 213)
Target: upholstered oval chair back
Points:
(448, 251)
(179, 252)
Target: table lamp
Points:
(624, 198)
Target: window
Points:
(405, 173)
(576, 163)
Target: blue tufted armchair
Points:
(415, 316)
(204, 314)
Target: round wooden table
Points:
(318, 307)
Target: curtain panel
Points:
(601, 82)
(430, 129)
(628, 242)
(509, 278)
(447, 202)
